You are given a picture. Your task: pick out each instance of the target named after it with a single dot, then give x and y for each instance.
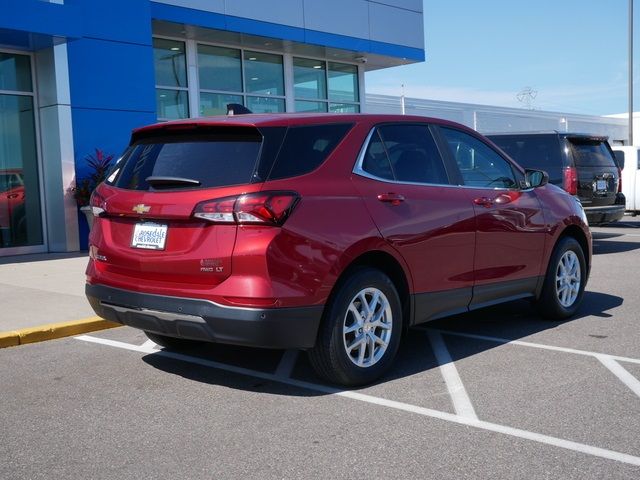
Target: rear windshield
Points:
(229, 156)
(591, 153)
(539, 152)
(213, 160)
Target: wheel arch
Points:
(578, 234)
(390, 266)
(573, 231)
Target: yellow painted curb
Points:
(54, 330)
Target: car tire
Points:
(171, 343)
(360, 331)
(564, 281)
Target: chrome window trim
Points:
(358, 170)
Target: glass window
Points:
(591, 153)
(205, 158)
(540, 152)
(15, 72)
(170, 63)
(219, 68)
(20, 213)
(309, 78)
(376, 162)
(216, 103)
(413, 154)
(344, 108)
(265, 104)
(479, 165)
(172, 104)
(311, 107)
(263, 73)
(305, 148)
(343, 82)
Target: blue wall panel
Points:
(111, 75)
(108, 130)
(111, 78)
(118, 20)
(41, 17)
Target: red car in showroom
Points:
(11, 205)
(329, 233)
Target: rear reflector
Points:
(271, 208)
(570, 180)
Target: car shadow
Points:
(41, 257)
(627, 223)
(599, 235)
(512, 321)
(604, 247)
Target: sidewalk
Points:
(41, 294)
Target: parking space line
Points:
(535, 345)
(149, 343)
(620, 372)
(287, 362)
(427, 412)
(461, 401)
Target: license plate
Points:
(151, 236)
(601, 185)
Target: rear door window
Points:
(591, 153)
(405, 153)
(213, 160)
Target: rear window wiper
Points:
(168, 182)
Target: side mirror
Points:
(536, 178)
(619, 154)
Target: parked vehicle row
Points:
(630, 157)
(329, 233)
(583, 165)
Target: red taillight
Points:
(271, 208)
(97, 204)
(570, 180)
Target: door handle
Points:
(483, 202)
(501, 199)
(392, 198)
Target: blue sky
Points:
(572, 52)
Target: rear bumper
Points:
(597, 215)
(199, 319)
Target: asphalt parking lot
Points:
(498, 393)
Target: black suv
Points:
(584, 165)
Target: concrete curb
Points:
(50, 331)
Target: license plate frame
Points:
(149, 236)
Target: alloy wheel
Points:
(367, 327)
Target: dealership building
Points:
(77, 75)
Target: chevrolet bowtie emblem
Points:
(141, 208)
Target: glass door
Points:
(20, 209)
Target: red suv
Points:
(330, 233)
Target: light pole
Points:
(630, 72)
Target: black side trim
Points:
(494, 293)
(433, 305)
